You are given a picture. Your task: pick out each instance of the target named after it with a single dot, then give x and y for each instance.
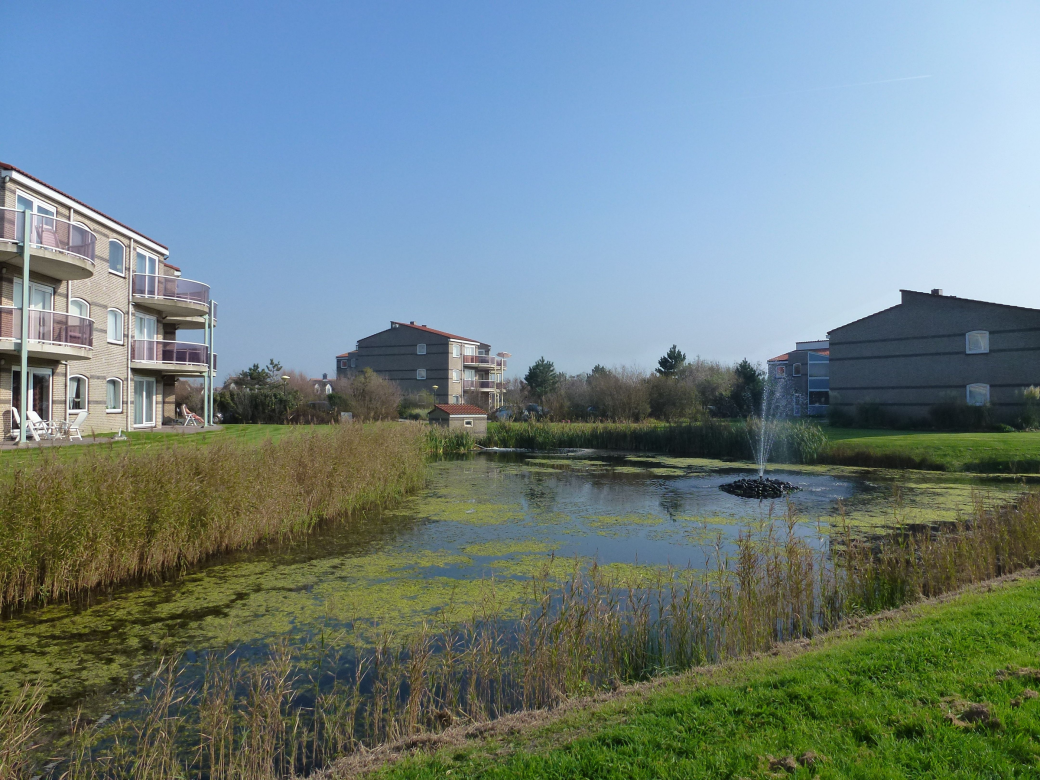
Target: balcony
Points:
(57, 248)
(53, 335)
(171, 295)
(182, 358)
(483, 361)
(483, 385)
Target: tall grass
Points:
(589, 632)
(798, 442)
(105, 517)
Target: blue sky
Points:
(586, 181)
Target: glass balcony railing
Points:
(486, 361)
(181, 353)
(48, 327)
(57, 235)
(170, 288)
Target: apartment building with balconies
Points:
(103, 308)
(454, 369)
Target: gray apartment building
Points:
(931, 348)
(105, 307)
(805, 372)
(454, 369)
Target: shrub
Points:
(959, 416)
(871, 414)
(369, 396)
(1030, 419)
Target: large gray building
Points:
(934, 348)
(418, 358)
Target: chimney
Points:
(412, 322)
(324, 376)
(937, 291)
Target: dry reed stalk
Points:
(103, 518)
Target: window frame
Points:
(456, 349)
(781, 371)
(420, 349)
(976, 385)
(967, 342)
(344, 363)
(122, 324)
(456, 375)
(420, 374)
(86, 393)
(120, 383)
(796, 369)
(468, 423)
(116, 273)
(84, 302)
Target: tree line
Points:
(678, 389)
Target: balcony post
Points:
(209, 358)
(205, 377)
(23, 383)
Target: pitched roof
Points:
(9, 167)
(459, 409)
(348, 354)
(433, 330)
(778, 358)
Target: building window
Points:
(116, 257)
(468, 423)
(796, 370)
(115, 326)
(455, 399)
(420, 349)
(114, 395)
(343, 364)
(456, 376)
(353, 362)
(456, 350)
(781, 370)
(978, 395)
(80, 308)
(976, 342)
(77, 393)
(420, 373)
(470, 350)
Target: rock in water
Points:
(759, 488)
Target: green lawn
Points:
(874, 705)
(1018, 451)
(143, 439)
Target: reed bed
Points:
(76, 524)
(299, 710)
(794, 442)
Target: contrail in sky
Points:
(819, 89)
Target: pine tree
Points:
(672, 362)
(542, 378)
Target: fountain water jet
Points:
(776, 400)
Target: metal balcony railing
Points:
(488, 361)
(170, 288)
(49, 327)
(58, 235)
(182, 353)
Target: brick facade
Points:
(107, 288)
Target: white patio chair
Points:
(190, 418)
(75, 425)
(16, 424)
(36, 424)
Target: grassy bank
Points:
(109, 515)
(874, 702)
(1012, 453)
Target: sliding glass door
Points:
(144, 402)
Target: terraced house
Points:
(454, 369)
(96, 321)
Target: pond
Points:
(484, 522)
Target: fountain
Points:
(776, 400)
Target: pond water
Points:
(485, 522)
